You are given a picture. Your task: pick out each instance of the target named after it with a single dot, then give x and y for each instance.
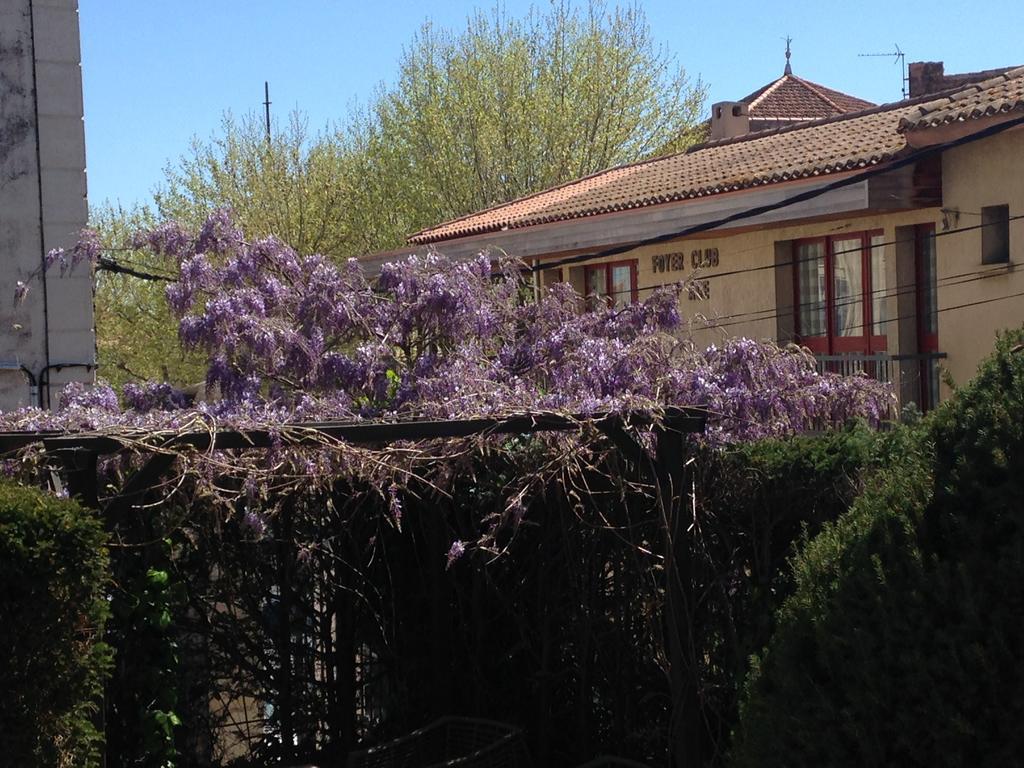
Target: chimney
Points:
(926, 77)
(728, 119)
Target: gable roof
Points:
(793, 98)
(804, 150)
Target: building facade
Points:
(47, 338)
(885, 240)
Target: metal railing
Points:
(914, 377)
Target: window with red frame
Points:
(840, 293)
(926, 299)
(614, 284)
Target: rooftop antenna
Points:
(266, 106)
(898, 58)
(788, 70)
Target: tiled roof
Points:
(795, 152)
(997, 95)
(803, 150)
(793, 98)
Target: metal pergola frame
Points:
(78, 453)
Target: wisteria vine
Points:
(290, 338)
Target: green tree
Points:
(503, 108)
(292, 184)
(509, 106)
(500, 109)
(136, 334)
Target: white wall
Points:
(42, 198)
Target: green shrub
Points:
(757, 502)
(901, 644)
(53, 574)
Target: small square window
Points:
(995, 234)
(611, 284)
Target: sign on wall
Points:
(700, 258)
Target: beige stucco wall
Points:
(744, 290)
(986, 172)
(42, 197)
(750, 290)
(975, 301)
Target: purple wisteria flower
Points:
(99, 396)
(254, 524)
(290, 338)
(307, 337)
(153, 395)
(219, 235)
(455, 552)
(53, 256)
(87, 249)
(168, 239)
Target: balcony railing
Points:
(914, 377)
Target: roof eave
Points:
(635, 224)
(922, 134)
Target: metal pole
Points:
(266, 106)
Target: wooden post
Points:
(434, 542)
(550, 528)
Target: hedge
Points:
(901, 643)
(757, 503)
(53, 577)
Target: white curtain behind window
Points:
(811, 280)
(622, 285)
(848, 287)
(879, 302)
(597, 286)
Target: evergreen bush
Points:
(757, 503)
(901, 643)
(53, 577)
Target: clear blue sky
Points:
(158, 72)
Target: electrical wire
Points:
(770, 313)
(773, 315)
(107, 264)
(695, 274)
(911, 316)
(912, 157)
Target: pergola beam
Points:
(356, 432)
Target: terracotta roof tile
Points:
(803, 150)
(794, 152)
(997, 95)
(793, 98)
